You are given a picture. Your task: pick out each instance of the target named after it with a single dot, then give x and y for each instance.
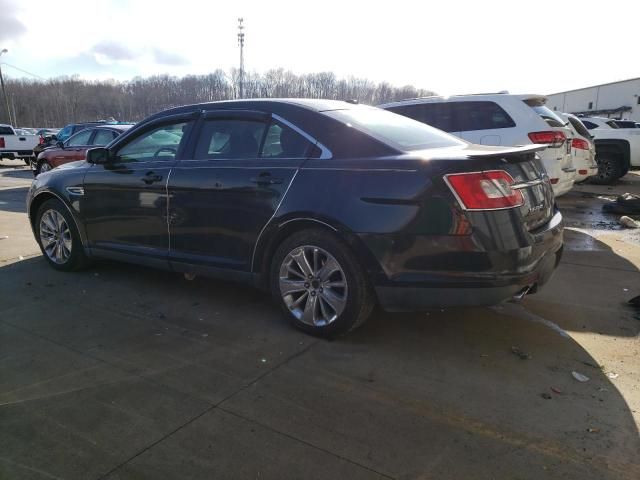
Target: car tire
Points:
(609, 169)
(43, 166)
(319, 305)
(58, 237)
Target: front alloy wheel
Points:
(55, 236)
(313, 285)
(58, 236)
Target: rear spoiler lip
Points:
(506, 151)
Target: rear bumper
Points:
(16, 154)
(530, 267)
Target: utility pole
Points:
(241, 43)
(4, 91)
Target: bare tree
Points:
(62, 100)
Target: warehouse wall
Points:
(610, 96)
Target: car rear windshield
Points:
(399, 132)
(580, 128)
(6, 131)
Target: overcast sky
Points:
(444, 45)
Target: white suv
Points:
(583, 148)
(500, 119)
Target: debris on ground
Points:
(612, 375)
(580, 377)
(628, 222)
(546, 396)
(626, 204)
(190, 276)
(520, 353)
(593, 430)
(4, 237)
(557, 391)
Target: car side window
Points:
(282, 141)
(438, 115)
(229, 139)
(80, 138)
(483, 115)
(159, 143)
(102, 137)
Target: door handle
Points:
(264, 179)
(151, 177)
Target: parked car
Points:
(582, 147)
(331, 206)
(75, 148)
(16, 144)
(46, 138)
(625, 123)
(500, 119)
(29, 130)
(617, 149)
(73, 128)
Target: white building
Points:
(619, 100)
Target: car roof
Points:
(317, 105)
(119, 126)
(471, 96)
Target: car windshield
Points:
(400, 132)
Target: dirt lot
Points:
(122, 372)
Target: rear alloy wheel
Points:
(58, 237)
(609, 170)
(313, 286)
(43, 167)
(319, 284)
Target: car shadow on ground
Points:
(406, 394)
(13, 199)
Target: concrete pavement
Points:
(122, 372)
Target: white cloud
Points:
(447, 46)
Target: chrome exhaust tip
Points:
(517, 298)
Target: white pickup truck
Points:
(13, 145)
(617, 149)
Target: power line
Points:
(22, 70)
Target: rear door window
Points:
(482, 115)
(103, 137)
(284, 142)
(229, 139)
(80, 139)
(437, 115)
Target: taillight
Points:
(582, 172)
(580, 144)
(552, 137)
(1, 142)
(488, 190)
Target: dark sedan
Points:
(331, 206)
(75, 147)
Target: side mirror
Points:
(59, 144)
(99, 155)
(52, 137)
